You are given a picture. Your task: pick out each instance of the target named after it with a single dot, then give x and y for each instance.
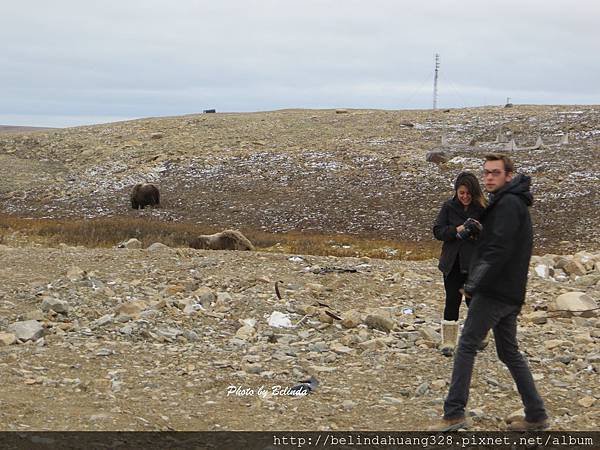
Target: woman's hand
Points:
(460, 228)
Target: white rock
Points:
(542, 271)
(280, 320)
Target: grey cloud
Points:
(142, 58)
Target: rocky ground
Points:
(182, 339)
(357, 171)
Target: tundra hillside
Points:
(356, 172)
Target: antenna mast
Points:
(435, 80)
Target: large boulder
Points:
(574, 303)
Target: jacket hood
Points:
(519, 186)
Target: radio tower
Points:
(435, 80)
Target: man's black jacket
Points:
(501, 260)
(451, 216)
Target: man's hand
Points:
(466, 294)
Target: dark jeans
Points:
(454, 281)
(485, 314)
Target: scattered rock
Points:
(430, 334)
(380, 320)
(586, 402)
(205, 296)
(574, 267)
(351, 319)
(54, 304)
(537, 317)
(29, 330)
(348, 405)
(76, 274)
(132, 309)
(422, 389)
(7, 339)
(159, 247)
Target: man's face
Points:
(494, 176)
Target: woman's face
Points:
(464, 196)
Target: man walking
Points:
(496, 285)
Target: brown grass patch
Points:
(108, 232)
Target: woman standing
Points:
(467, 204)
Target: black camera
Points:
(471, 229)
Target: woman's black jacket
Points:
(449, 218)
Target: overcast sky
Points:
(72, 62)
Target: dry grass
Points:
(108, 232)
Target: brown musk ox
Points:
(143, 195)
(225, 240)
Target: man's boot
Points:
(443, 425)
(521, 424)
(449, 337)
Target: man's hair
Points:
(509, 165)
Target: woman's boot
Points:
(449, 337)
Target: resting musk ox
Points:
(225, 240)
(143, 195)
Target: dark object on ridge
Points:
(436, 156)
(143, 195)
(508, 105)
(210, 111)
(277, 289)
(324, 270)
(304, 387)
(332, 315)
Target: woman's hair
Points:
(470, 181)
